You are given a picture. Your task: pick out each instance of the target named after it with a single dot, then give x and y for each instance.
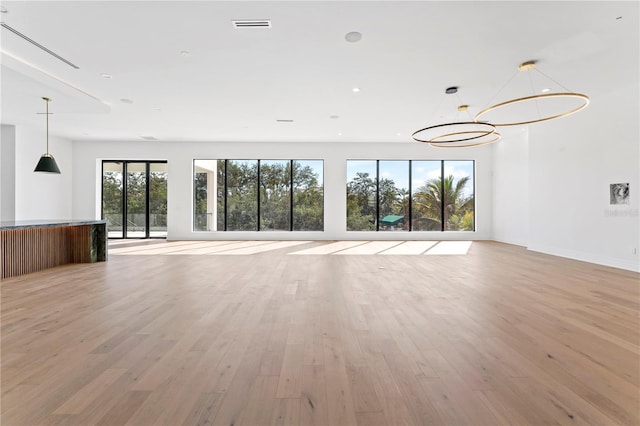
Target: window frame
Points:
(124, 195)
(258, 193)
(443, 223)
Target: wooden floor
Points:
(497, 336)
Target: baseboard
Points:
(628, 265)
(510, 241)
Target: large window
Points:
(275, 195)
(362, 201)
(393, 195)
(134, 198)
(426, 211)
(264, 195)
(241, 195)
(308, 195)
(410, 195)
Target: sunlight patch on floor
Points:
(346, 248)
(371, 247)
(273, 245)
(218, 246)
(231, 245)
(402, 248)
(152, 248)
(410, 248)
(450, 248)
(331, 247)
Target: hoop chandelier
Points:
(459, 133)
(461, 138)
(506, 113)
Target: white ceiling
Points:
(236, 83)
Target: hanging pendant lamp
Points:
(459, 133)
(541, 105)
(459, 139)
(47, 163)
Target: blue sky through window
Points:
(316, 165)
(422, 171)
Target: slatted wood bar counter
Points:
(29, 246)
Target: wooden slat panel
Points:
(35, 249)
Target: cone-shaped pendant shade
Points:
(47, 164)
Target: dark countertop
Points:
(29, 224)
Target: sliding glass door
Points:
(112, 197)
(134, 198)
(157, 223)
(136, 201)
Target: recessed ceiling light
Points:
(339, 133)
(107, 76)
(334, 117)
(185, 53)
(158, 109)
(545, 90)
(398, 134)
(355, 89)
(353, 37)
(618, 18)
(284, 121)
(126, 101)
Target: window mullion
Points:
(442, 196)
(258, 196)
(125, 188)
(377, 195)
(291, 195)
(410, 196)
(226, 195)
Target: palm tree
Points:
(429, 200)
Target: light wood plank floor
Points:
(497, 336)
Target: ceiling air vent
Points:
(38, 45)
(252, 23)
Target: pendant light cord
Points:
(501, 89)
(47, 114)
(533, 90)
(536, 69)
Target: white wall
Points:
(7, 173)
(511, 188)
(572, 162)
(86, 184)
(545, 188)
(41, 195)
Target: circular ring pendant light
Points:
(452, 135)
(439, 143)
(536, 98)
(457, 134)
(492, 113)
